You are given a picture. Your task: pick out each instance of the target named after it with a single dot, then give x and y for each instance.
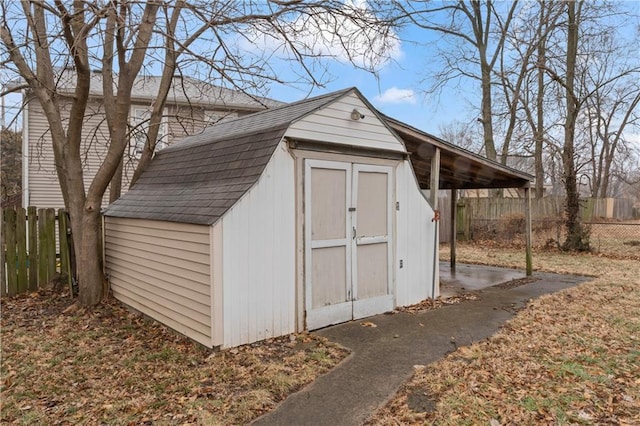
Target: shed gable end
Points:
(333, 123)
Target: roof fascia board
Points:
(314, 145)
(457, 150)
(208, 106)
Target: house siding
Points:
(414, 240)
(43, 187)
(258, 242)
(162, 269)
(332, 124)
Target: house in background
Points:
(191, 106)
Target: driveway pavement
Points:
(383, 357)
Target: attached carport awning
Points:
(441, 165)
(459, 168)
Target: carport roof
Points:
(459, 168)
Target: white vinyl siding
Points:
(415, 240)
(258, 239)
(42, 180)
(44, 189)
(333, 124)
(139, 122)
(162, 269)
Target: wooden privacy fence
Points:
(31, 246)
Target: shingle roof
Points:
(198, 179)
(184, 90)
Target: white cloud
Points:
(335, 36)
(393, 95)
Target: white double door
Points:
(348, 241)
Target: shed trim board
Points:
(217, 296)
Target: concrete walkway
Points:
(383, 357)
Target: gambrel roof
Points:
(198, 179)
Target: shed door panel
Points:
(372, 252)
(347, 241)
(328, 237)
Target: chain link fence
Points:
(620, 239)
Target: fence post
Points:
(65, 262)
(32, 219)
(453, 228)
(461, 221)
(51, 241)
(21, 247)
(10, 243)
(43, 279)
(527, 231)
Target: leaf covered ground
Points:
(570, 358)
(62, 365)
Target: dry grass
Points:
(614, 239)
(568, 358)
(110, 366)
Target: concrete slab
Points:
(468, 278)
(383, 356)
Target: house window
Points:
(139, 128)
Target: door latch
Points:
(353, 235)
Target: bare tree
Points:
(122, 37)
(461, 134)
(610, 111)
(588, 68)
(523, 82)
(478, 30)
(576, 238)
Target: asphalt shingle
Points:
(198, 179)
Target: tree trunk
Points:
(89, 250)
(487, 119)
(115, 187)
(577, 239)
(539, 132)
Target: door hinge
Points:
(400, 263)
(397, 205)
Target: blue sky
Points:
(397, 89)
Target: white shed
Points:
(293, 218)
